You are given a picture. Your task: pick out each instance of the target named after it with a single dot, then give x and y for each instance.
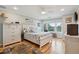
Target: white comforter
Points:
(39, 38)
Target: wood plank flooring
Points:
(57, 46)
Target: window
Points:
(51, 27)
(55, 27)
(58, 27)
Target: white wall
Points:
(31, 24)
(12, 17)
(65, 24)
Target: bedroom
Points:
(37, 29)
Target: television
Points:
(72, 29)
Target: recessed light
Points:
(43, 12)
(61, 9)
(15, 8)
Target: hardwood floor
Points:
(57, 46)
(44, 49)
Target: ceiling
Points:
(34, 11)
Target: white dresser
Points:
(11, 33)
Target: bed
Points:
(41, 38)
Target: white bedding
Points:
(39, 34)
(39, 38)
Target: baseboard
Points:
(12, 43)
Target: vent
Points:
(3, 7)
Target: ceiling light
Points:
(62, 9)
(15, 8)
(43, 12)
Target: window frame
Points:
(55, 29)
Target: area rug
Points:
(21, 49)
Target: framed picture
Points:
(69, 19)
